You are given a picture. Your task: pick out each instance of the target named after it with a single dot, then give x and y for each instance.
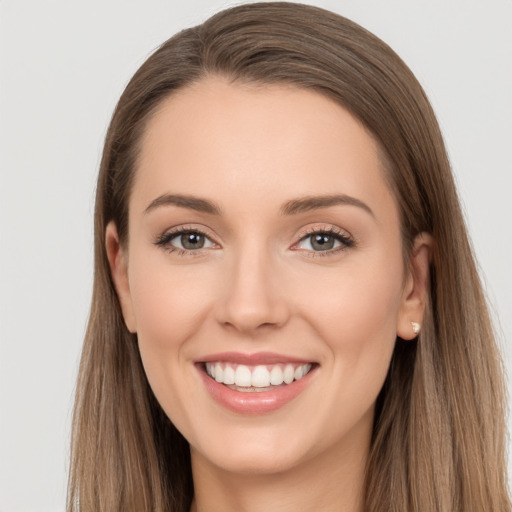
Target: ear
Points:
(416, 288)
(118, 261)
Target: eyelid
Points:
(343, 236)
(163, 240)
(311, 229)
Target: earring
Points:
(416, 327)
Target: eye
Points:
(325, 241)
(184, 240)
(190, 241)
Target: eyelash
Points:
(346, 241)
(165, 239)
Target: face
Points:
(263, 274)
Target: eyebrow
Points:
(184, 201)
(292, 207)
(309, 203)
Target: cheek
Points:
(354, 315)
(168, 300)
(355, 311)
(170, 308)
(169, 305)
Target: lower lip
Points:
(256, 402)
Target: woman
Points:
(286, 310)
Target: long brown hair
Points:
(439, 435)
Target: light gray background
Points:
(63, 65)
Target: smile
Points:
(257, 383)
(259, 378)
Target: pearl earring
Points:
(416, 327)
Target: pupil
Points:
(192, 241)
(323, 242)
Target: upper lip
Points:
(251, 359)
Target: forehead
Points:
(260, 144)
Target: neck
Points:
(331, 481)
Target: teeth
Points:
(243, 376)
(261, 376)
(229, 375)
(289, 374)
(276, 376)
(219, 373)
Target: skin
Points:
(259, 285)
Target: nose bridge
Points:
(252, 296)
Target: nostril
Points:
(252, 301)
(253, 320)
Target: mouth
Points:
(255, 384)
(260, 378)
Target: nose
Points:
(253, 298)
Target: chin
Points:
(255, 458)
